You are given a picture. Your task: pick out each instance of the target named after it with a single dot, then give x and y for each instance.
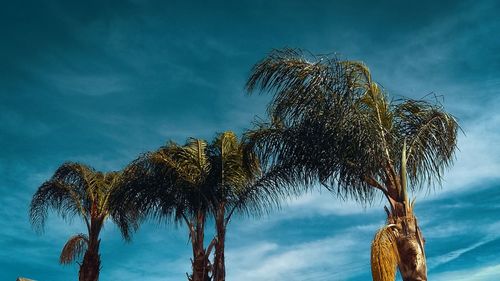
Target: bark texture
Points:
(91, 265)
(200, 263)
(410, 244)
(219, 259)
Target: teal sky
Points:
(100, 82)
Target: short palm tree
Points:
(331, 123)
(77, 190)
(188, 184)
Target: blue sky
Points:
(100, 83)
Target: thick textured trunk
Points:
(91, 264)
(201, 266)
(412, 265)
(89, 269)
(410, 243)
(219, 260)
(200, 263)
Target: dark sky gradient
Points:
(102, 81)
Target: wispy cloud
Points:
(450, 256)
(484, 273)
(88, 84)
(325, 259)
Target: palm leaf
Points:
(74, 248)
(431, 137)
(336, 153)
(330, 123)
(301, 85)
(73, 190)
(163, 185)
(325, 117)
(66, 192)
(237, 179)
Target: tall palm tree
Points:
(332, 124)
(77, 190)
(188, 184)
(234, 182)
(168, 184)
(237, 184)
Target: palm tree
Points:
(76, 190)
(234, 178)
(238, 185)
(168, 184)
(332, 124)
(189, 183)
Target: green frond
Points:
(332, 124)
(176, 182)
(65, 192)
(70, 192)
(165, 184)
(337, 153)
(431, 136)
(302, 86)
(74, 248)
(267, 192)
(235, 174)
(384, 255)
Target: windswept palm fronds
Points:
(330, 123)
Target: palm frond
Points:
(163, 185)
(110, 182)
(325, 117)
(232, 167)
(334, 153)
(302, 86)
(72, 190)
(237, 179)
(332, 124)
(431, 137)
(266, 193)
(74, 248)
(384, 255)
(66, 192)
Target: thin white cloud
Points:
(325, 203)
(88, 84)
(325, 259)
(446, 229)
(453, 255)
(485, 273)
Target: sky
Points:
(100, 82)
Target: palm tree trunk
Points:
(200, 262)
(91, 264)
(410, 243)
(219, 260)
(89, 269)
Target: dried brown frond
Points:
(74, 248)
(384, 255)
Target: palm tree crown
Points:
(76, 190)
(187, 184)
(166, 184)
(333, 120)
